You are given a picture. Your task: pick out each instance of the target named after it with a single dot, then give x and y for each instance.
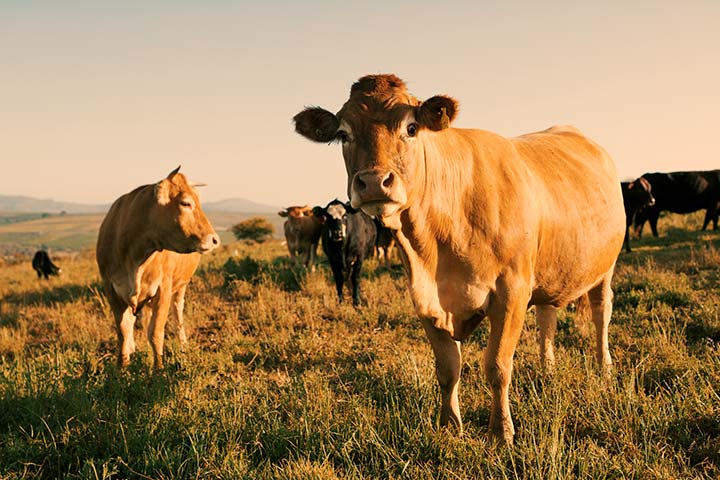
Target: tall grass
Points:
(280, 381)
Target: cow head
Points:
(334, 218)
(639, 194)
(180, 222)
(296, 212)
(381, 128)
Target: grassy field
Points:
(26, 233)
(279, 381)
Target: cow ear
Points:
(319, 213)
(283, 213)
(162, 192)
(631, 185)
(349, 208)
(437, 112)
(317, 124)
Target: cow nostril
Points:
(215, 240)
(388, 180)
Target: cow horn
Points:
(172, 174)
(197, 184)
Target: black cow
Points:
(348, 238)
(637, 195)
(681, 192)
(42, 264)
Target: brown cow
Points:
(148, 247)
(302, 234)
(384, 242)
(486, 226)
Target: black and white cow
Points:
(348, 238)
(43, 266)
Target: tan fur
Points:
(486, 226)
(147, 252)
(302, 234)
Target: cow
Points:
(43, 266)
(302, 234)
(148, 247)
(384, 242)
(681, 192)
(486, 226)
(348, 238)
(637, 195)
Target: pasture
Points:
(279, 381)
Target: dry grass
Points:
(279, 381)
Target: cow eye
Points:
(342, 135)
(412, 129)
(185, 204)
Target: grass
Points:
(279, 381)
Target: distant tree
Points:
(256, 229)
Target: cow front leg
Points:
(125, 323)
(506, 313)
(178, 307)
(547, 321)
(156, 330)
(448, 362)
(339, 278)
(355, 281)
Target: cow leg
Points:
(709, 214)
(507, 313)
(626, 242)
(653, 219)
(339, 280)
(178, 307)
(156, 331)
(601, 305)
(355, 281)
(313, 256)
(124, 324)
(448, 362)
(547, 320)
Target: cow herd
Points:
(485, 226)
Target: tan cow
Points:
(302, 233)
(148, 247)
(486, 226)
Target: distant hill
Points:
(46, 205)
(239, 205)
(23, 204)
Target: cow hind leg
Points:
(547, 321)
(600, 298)
(448, 362)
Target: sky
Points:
(98, 97)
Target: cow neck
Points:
(138, 249)
(443, 182)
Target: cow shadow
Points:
(60, 294)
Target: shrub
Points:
(256, 229)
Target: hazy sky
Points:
(99, 97)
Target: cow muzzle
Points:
(209, 243)
(378, 192)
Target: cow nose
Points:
(210, 242)
(374, 184)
